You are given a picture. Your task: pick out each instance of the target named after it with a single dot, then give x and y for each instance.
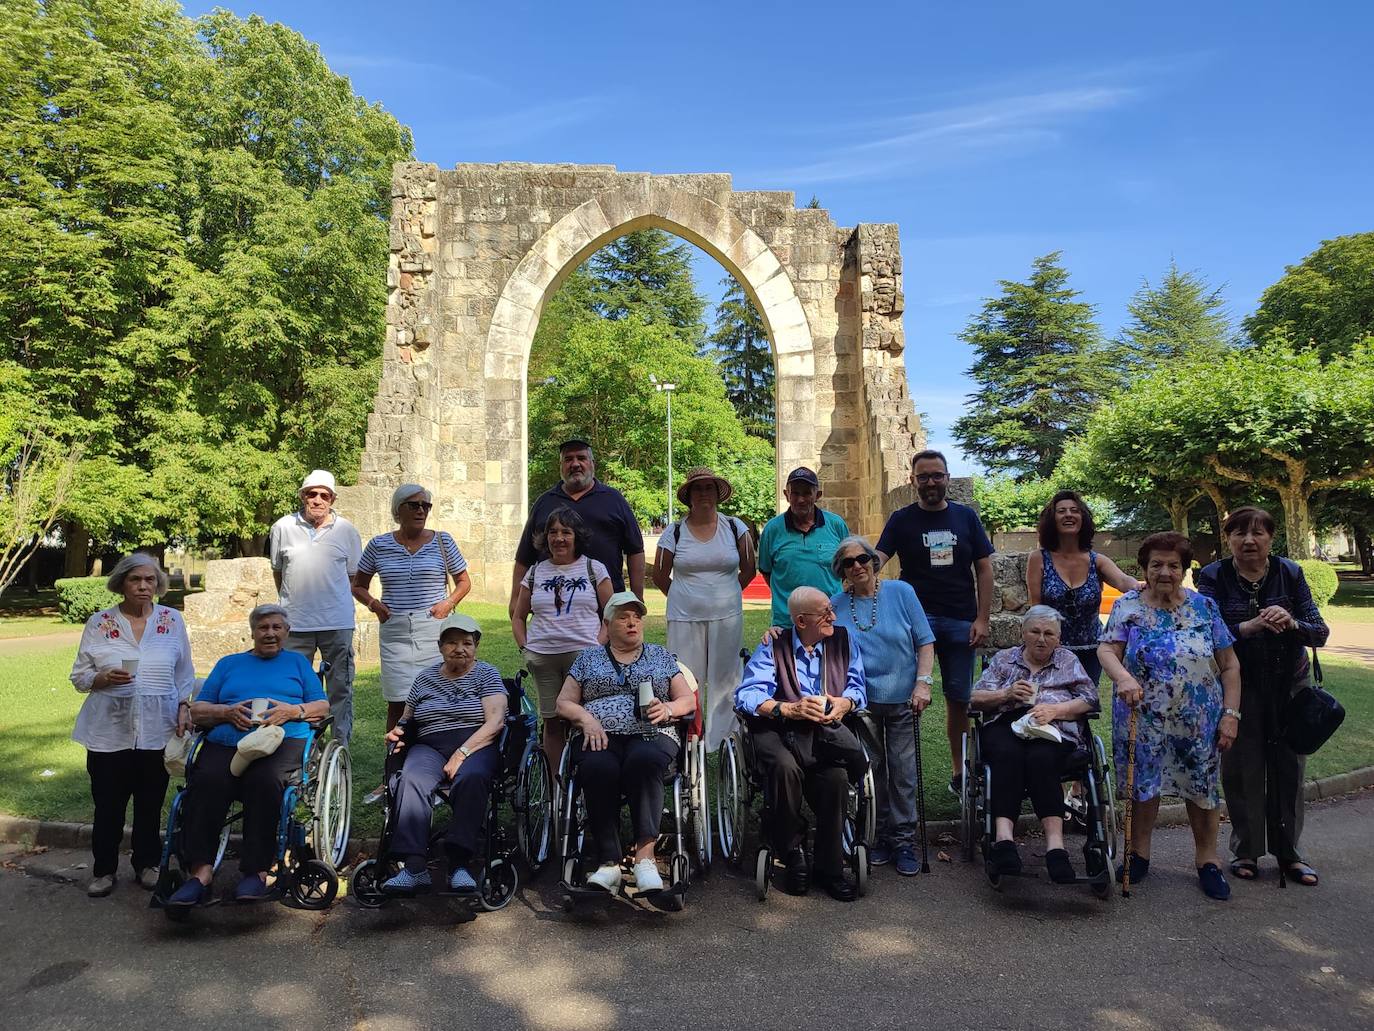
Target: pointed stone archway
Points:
(477, 252)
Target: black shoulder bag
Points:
(1311, 716)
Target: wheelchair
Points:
(739, 784)
(1089, 807)
(522, 787)
(685, 833)
(312, 831)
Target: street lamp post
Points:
(667, 389)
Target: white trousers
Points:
(710, 649)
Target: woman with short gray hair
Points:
(134, 667)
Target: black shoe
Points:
(1058, 865)
(1005, 857)
(838, 887)
(956, 786)
(797, 880)
(1140, 869)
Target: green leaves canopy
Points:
(1326, 301)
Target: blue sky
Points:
(1230, 137)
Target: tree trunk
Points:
(1223, 510)
(78, 551)
(1297, 520)
(1364, 547)
(1178, 514)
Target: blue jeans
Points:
(894, 772)
(955, 656)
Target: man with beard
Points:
(943, 550)
(615, 538)
(795, 548)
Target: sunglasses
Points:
(311, 495)
(418, 506)
(855, 560)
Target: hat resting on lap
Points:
(254, 745)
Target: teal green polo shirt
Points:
(792, 559)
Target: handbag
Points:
(1311, 716)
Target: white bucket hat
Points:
(254, 745)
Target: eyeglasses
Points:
(931, 477)
(418, 506)
(311, 495)
(855, 560)
(825, 615)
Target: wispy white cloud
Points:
(525, 124)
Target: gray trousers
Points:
(336, 648)
(894, 773)
(1243, 780)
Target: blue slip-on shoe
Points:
(407, 883)
(1213, 884)
(881, 855)
(907, 863)
(251, 888)
(191, 893)
(461, 880)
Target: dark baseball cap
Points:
(575, 444)
(801, 474)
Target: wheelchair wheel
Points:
(679, 877)
(763, 872)
(700, 814)
(534, 807)
(861, 870)
(366, 884)
(333, 805)
(314, 885)
(1107, 790)
(498, 884)
(968, 808)
(729, 806)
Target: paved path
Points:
(1352, 641)
(943, 951)
(41, 643)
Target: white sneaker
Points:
(101, 886)
(607, 878)
(647, 877)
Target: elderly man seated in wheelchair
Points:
(449, 729)
(796, 689)
(626, 698)
(267, 695)
(1034, 698)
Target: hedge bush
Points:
(80, 597)
(1321, 578)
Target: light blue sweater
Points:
(889, 648)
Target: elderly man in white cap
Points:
(315, 552)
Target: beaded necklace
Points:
(873, 612)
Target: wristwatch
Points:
(1228, 711)
(777, 711)
(927, 679)
(464, 750)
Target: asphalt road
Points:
(942, 950)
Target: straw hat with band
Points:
(699, 474)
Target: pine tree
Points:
(1182, 317)
(1041, 369)
(648, 273)
(739, 345)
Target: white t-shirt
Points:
(564, 613)
(317, 568)
(705, 573)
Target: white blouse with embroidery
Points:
(142, 713)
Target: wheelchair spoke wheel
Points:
(729, 807)
(314, 884)
(366, 883)
(498, 884)
(1107, 802)
(968, 807)
(763, 863)
(333, 804)
(534, 808)
(861, 869)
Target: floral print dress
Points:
(1172, 654)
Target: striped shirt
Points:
(412, 583)
(442, 704)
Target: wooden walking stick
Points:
(920, 795)
(1130, 804)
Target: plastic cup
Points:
(259, 707)
(129, 666)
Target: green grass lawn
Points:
(42, 771)
(34, 615)
(1354, 600)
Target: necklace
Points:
(873, 610)
(1252, 588)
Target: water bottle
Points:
(646, 698)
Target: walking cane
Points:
(1130, 804)
(920, 795)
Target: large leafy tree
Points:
(739, 345)
(647, 275)
(1180, 317)
(1040, 367)
(1326, 301)
(192, 249)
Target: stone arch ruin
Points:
(477, 250)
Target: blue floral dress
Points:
(1172, 654)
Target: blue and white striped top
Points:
(412, 583)
(442, 704)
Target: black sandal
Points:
(1245, 869)
(1058, 866)
(1140, 869)
(1303, 874)
(1006, 857)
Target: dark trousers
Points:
(1247, 794)
(211, 788)
(412, 789)
(116, 777)
(824, 785)
(628, 767)
(1020, 768)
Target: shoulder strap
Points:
(1316, 669)
(677, 533)
(591, 573)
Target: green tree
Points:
(1040, 368)
(647, 275)
(1182, 317)
(753, 472)
(739, 345)
(599, 389)
(1326, 301)
(1008, 504)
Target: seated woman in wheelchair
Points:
(452, 719)
(1026, 690)
(626, 746)
(222, 773)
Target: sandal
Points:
(1213, 884)
(1245, 869)
(1303, 874)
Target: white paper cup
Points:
(259, 706)
(129, 666)
(646, 693)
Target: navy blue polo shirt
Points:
(612, 524)
(937, 551)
